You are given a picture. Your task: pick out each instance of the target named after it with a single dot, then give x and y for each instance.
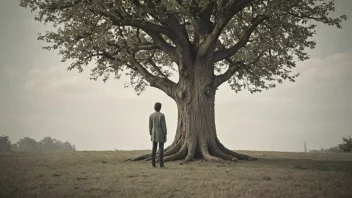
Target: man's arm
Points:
(163, 124)
(150, 125)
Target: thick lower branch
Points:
(233, 68)
(164, 84)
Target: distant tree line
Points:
(30, 144)
(346, 146)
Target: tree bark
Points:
(196, 131)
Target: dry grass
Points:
(104, 174)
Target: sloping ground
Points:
(104, 174)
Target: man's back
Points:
(158, 132)
(157, 127)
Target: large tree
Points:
(252, 44)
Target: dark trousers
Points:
(161, 153)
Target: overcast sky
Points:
(40, 98)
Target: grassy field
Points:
(104, 174)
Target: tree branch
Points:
(227, 15)
(163, 84)
(153, 30)
(302, 16)
(181, 38)
(226, 53)
(152, 63)
(137, 47)
(181, 34)
(233, 68)
(224, 15)
(171, 22)
(167, 48)
(61, 6)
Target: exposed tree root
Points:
(206, 155)
(140, 157)
(148, 159)
(220, 154)
(212, 151)
(177, 156)
(190, 154)
(234, 154)
(172, 149)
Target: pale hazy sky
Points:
(40, 98)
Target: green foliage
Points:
(27, 144)
(333, 149)
(50, 144)
(5, 143)
(279, 43)
(46, 144)
(346, 146)
(143, 37)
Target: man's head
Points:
(157, 106)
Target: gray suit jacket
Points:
(157, 127)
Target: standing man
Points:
(158, 132)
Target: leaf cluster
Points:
(253, 44)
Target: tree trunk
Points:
(196, 132)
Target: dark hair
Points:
(157, 106)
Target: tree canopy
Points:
(346, 146)
(252, 44)
(46, 144)
(5, 143)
